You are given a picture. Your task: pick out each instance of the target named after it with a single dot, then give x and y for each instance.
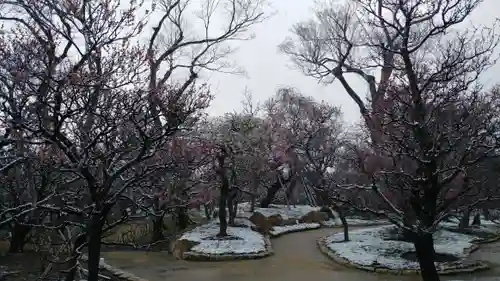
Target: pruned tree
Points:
(426, 66)
(98, 99)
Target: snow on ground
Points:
(249, 241)
(486, 226)
(286, 212)
(278, 230)
(455, 221)
(368, 247)
(353, 222)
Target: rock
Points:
(275, 220)
(382, 270)
(181, 246)
(314, 217)
(262, 223)
(289, 222)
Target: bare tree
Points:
(362, 37)
(97, 98)
(426, 64)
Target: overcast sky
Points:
(269, 70)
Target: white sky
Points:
(269, 70)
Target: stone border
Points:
(356, 225)
(495, 238)
(294, 231)
(116, 272)
(454, 268)
(196, 256)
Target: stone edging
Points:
(356, 225)
(294, 231)
(443, 270)
(195, 256)
(118, 273)
(486, 240)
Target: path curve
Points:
(296, 258)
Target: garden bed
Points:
(281, 230)
(374, 250)
(242, 242)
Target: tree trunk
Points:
(344, 224)
(94, 245)
(255, 189)
(207, 211)
(182, 217)
(343, 220)
(18, 239)
(289, 191)
(157, 228)
(252, 203)
(424, 248)
(271, 192)
(232, 205)
(223, 199)
(486, 214)
(464, 222)
(222, 211)
(477, 219)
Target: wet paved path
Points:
(296, 258)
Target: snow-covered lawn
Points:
(353, 222)
(368, 247)
(244, 240)
(279, 230)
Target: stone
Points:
(261, 222)
(314, 217)
(408, 271)
(275, 220)
(181, 246)
(289, 222)
(382, 270)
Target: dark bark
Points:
(464, 221)
(424, 248)
(289, 190)
(272, 191)
(477, 219)
(94, 245)
(255, 188)
(486, 214)
(232, 205)
(343, 220)
(182, 217)
(19, 235)
(157, 228)
(224, 192)
(207, 210)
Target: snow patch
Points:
(278, 230)
(249, 241)
(287, 212)
(369, 247)
(352, 222)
